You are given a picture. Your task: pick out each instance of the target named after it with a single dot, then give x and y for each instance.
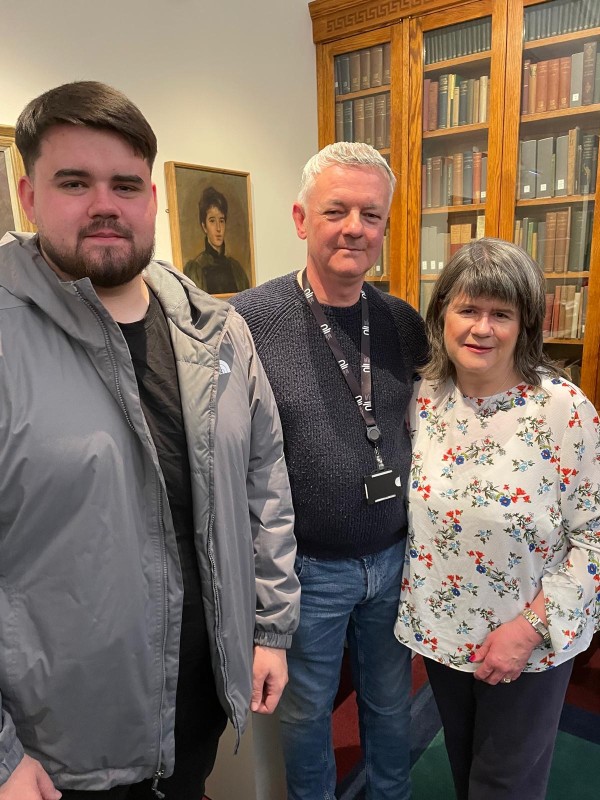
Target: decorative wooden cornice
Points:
(333, 19)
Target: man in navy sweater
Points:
(340, 356)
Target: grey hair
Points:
(495, 269)
(343, 154)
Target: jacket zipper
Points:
(155, 790)
(159, 770)
(111, 354)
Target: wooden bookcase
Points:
(467, 164)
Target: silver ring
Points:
(506, 680)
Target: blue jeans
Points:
(355, 598)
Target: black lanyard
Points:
(362, 393)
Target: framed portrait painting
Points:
(12, 217)
(211, 226)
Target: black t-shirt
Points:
(153, 360)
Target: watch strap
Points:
(537, 624)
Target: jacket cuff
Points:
(11, 759)
(282, 641)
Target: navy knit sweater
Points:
(326, 448)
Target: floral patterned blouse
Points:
(504, 500)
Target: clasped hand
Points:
(505, 651)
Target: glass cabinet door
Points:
(361, 94)
(555, 184)
(458, 77)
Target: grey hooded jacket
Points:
(90, 583)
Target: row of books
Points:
(438, 246)
(558, 83)
(364, 119)
(459, 40)
(560, 241)
(454, 180)
(558, 167)
(566, 311)
(452, 101)
(363, 69)
(560, 16)
(381, 267)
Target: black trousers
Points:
(499, 739)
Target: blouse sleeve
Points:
(572, 588)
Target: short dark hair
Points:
(494, 269)
(211, 197)
(86, 103)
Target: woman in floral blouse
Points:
(502, 583)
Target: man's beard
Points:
(106, 268)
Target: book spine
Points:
(574, 135)
(467, 188)
(436, 181)
(433, 105)
(541, 97)
(344, 62)
(589, 142)
(379, 121)
(388, 119)
(348, 118)
(564, 82)
(525, 90)
(553, 73)
(484, 82)
(376, 65)
(386, 75)
(548, 263)
(425, 104)
(544, 168)
(463, 96)
(359, 119)
(457, 186)
(477, 176)
(561, 248)
(370, 120)
(576, 79)
(532, 88)
(443, 102)
(339, 122)
(355, 71)
(589, 71)
(365, 69)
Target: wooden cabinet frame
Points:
(340, 26)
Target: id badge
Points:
(385, 484)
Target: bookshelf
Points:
(552, 122)
(482, 144)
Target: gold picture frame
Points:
(12, 216)
(216, 252)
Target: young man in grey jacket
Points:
(147, 589)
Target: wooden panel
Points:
(590, 372)
(512, 116)
(333, 19)
(399, 160)
(413, 257)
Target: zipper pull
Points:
(155, 790)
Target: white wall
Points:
(224, 83)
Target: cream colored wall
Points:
(226, 83)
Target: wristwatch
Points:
(537, 625)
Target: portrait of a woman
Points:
(212, 270)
